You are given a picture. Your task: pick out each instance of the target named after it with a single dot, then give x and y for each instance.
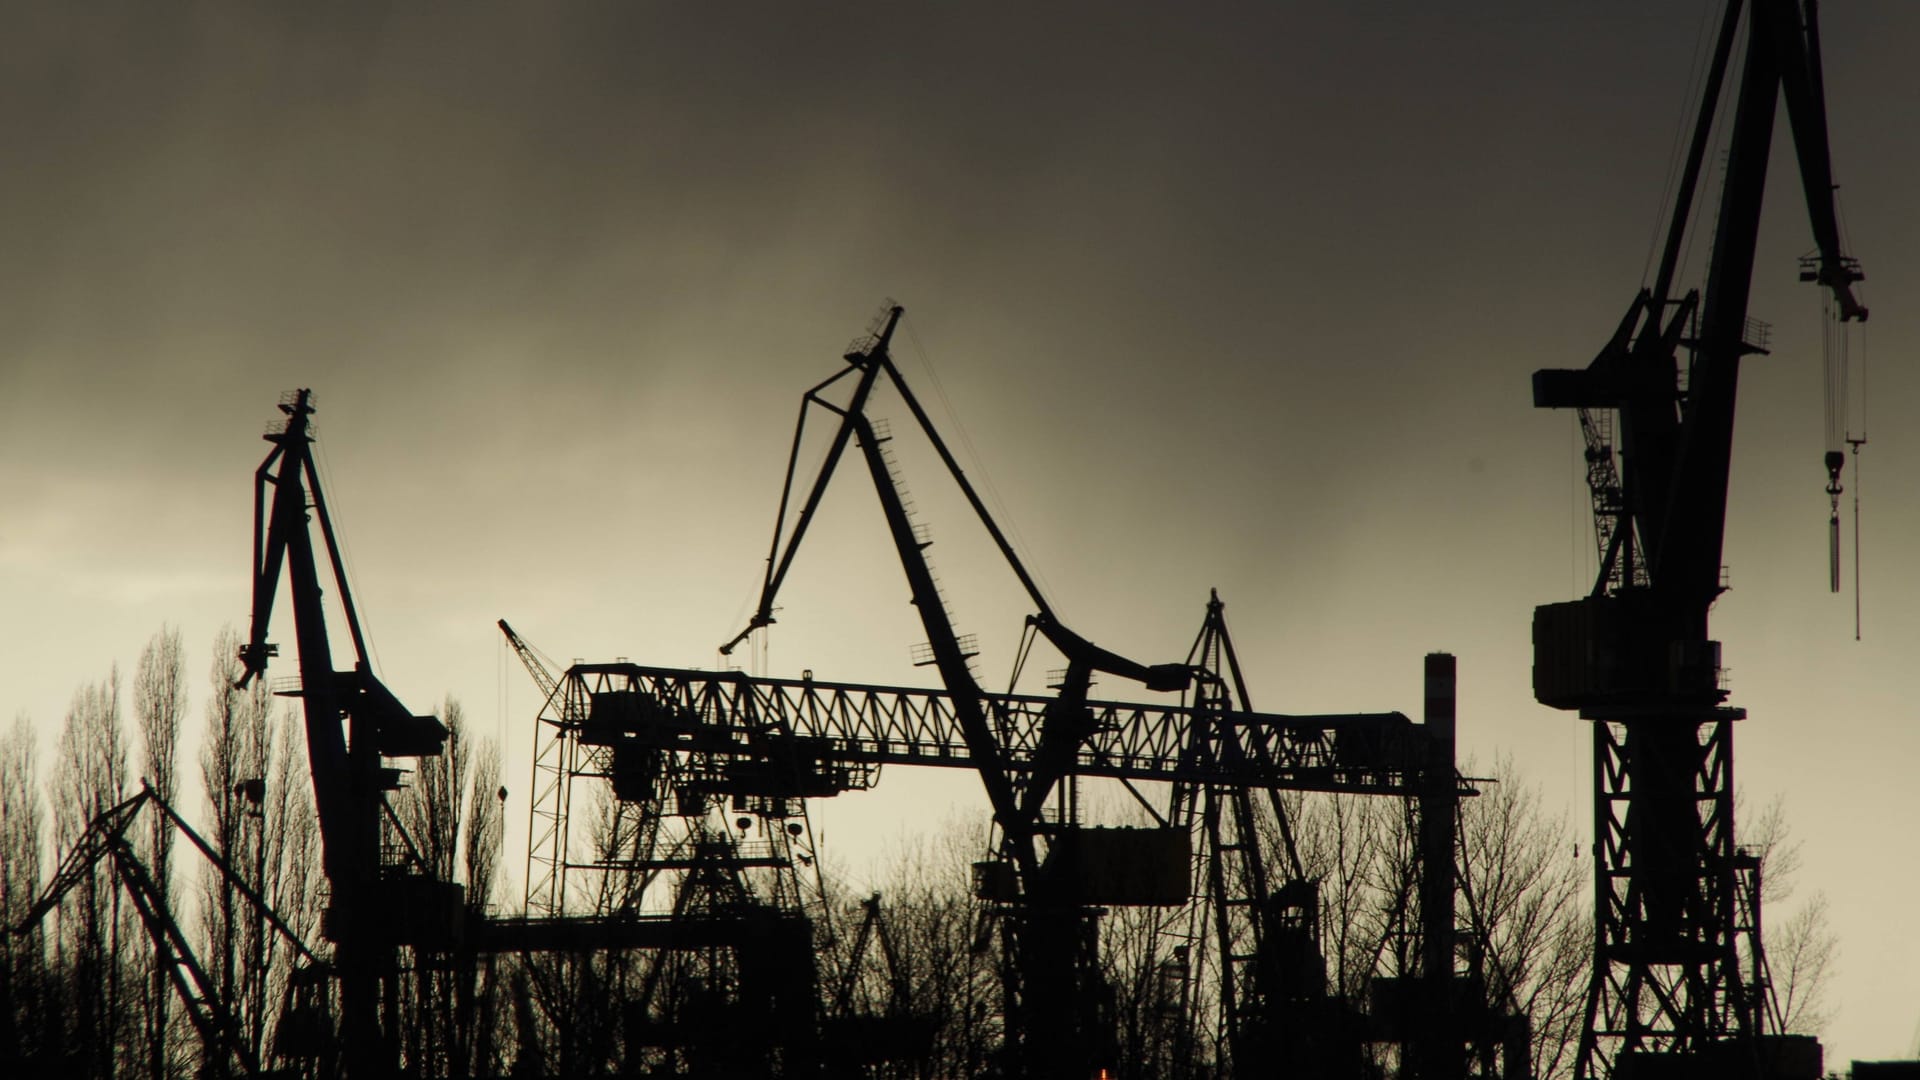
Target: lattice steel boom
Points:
(837, 725)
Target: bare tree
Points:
(429, 810)
(1799, 942)
(1522, 907)
(1342, 841)
(579, 995)
(1156, 1026)
(1525, 910)
(430, 807)
(159, 699)
(1801, 955)
(294, 881)
(220, 771)
(486, 807)
(452, 815)
(946, 948)
(262, 824)
(477, 1042)
(89, 776)
(24, 983)
(235, 749)
(285, 835)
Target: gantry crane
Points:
(802, 734)
(354, 725)
(740, 927)
(225, 1047)
(1676, 980)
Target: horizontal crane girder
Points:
(734, 714)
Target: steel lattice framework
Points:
(726, 712)
(771, 744)
(1692, 963)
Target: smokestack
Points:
(1436, 1056)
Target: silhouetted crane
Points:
(224, 1044)
(353, 722)
(1671, 987)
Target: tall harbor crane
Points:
(354, 727)
(1050, 935)
(1679, 984)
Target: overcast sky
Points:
(1245, 297)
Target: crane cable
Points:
(1853, 442)
(1856, 442)
(1833, 362)
(323, 471)
(978, 463)
(500, 699)
(1836, 357)
(1676, 154)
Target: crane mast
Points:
(353, 725)
(1677, 979)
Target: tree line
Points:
(911, 979)
(85, 992)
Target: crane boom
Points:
(94, 844)
(1016, 801)
(542, 675)
(105, 838)
(1676, 445)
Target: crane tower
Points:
(1679, 983)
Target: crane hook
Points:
(1835, 461)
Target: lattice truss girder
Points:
(655, 788)
(1621, 565)
(1675, 922)
(554, 766)
(734, 715)
(1236, 892)
(710, 728)
(704, 723)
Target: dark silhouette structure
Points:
(1679, 979)
(685, 739)
(353, 724)
(706, 758)
(224, 1044)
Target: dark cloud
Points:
(1244, 295)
